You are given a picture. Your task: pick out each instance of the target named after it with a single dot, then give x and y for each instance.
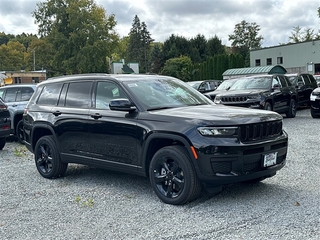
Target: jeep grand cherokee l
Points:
(154, 126)
(269, 92)
(305, 84)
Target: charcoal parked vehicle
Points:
(269, 92)
(304, 83)
(4, 123)
(224, 86)
(16, 98)
(154, 126)
(315, 103)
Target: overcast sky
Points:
(186, 18)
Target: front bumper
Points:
(240, 163)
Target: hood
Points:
(217, 114)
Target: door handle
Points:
(57, 113)
(96, 115)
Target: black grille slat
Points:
(260, 131)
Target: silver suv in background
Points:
(16, 98)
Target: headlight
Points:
(254, 97)
(218, 131)
(217, 99)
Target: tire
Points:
(291, 113)
(313, 114)
(268, 106)
(2, 142)
(173, 177)
(19, 132)
(47, 158)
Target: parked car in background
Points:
(317, 78)
(4, 123)
(205, 85)
(16, 97)
(224, 86)
(304, 83)
(269, 92)
(315, 103)
(153, 126)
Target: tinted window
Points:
(306, 79)
(283, 81)
(78, 94)
(50, 94)
(276, 81)
(26, 93)
(11, 95)
(105, 92)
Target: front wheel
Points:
(173, 177)
(313, 114)
(291, 113)
(268, 106)
(47, 158)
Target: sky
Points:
(186, 18)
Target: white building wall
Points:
(297, 57)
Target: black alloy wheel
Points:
(19, 131)
(292, 109)
(173, 177)
(47, 158)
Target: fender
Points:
(166, 135)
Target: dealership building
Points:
(303, 57)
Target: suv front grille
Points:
(260, 131)
(234, 99)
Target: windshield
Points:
(252, 83)
(225, 85)
(165, 93)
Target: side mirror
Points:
(122, 104)
(276, 86)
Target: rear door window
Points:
(50, 95)
(78, 94)
(11, 94)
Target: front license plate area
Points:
(270, 159)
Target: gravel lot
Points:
(90, 203)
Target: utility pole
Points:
(34, 60)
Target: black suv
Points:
(4, 123)
(305, 83)
(269, 92)
(155, 126)
(16, 97)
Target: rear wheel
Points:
(291, 113)
(2, 142)
(19, 131)
(47, 158)
(173, 177)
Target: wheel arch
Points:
(39, 130)
(157, 141)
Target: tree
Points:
(80, 32)
(156, 59)
(200, 44)
(214, 47)
(12, 56)
(246, 34)
(139, 44)
(299, 35)
(178, 67)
